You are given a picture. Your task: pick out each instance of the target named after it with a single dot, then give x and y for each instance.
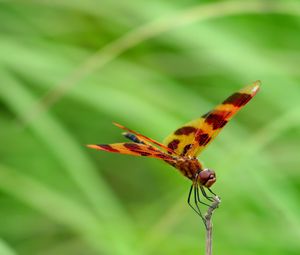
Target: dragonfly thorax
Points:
(189, 167)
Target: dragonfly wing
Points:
(194, 136)
(133, 149)
(182, 139)
(146, 140)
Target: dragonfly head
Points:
(207, 177)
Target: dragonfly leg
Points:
(198, 197)
(189, 201)
(196, 194)
(212, 192)
(205, 195)
(196, 209)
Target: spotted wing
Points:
(143, 139)
(194, 136)
(133, 149)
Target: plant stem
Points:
(208, 222)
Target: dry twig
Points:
(208, 223)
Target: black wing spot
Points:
(216, 120)
(185, 130)
(238, 99)
(173, 144)
(203, 139)
(186, 149)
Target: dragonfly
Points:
(181, 148)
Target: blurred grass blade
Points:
(5, 249)
(116, 48)
(75, 163)
(52, 204)
(161, 63)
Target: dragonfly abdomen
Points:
(132, 137)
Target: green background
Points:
(69, 68)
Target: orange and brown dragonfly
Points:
(181, 148)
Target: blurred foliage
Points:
(69, 68)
